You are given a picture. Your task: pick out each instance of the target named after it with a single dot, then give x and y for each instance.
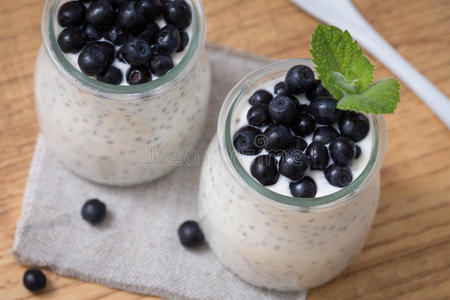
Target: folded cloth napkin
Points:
(136, 248)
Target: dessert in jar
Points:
(122, 87)
(286, 201)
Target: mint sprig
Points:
(347, 74)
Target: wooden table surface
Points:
(407, 254)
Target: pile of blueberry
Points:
(279, 125)
(103, 30)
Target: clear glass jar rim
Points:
(224, 139)
(114, 92)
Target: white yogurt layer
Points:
(282, 185)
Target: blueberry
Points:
(34, 280)
(357, 151)
(325, 134)
(190, 234)
(304, 125)
(131, 17)
(304, 188)
(136, 52)
(100, 14)
(178, 13)
(93, 211)
(116, 36)
(111, 75)
(280, 88)
(94, 58)
(71, 39)
(71, 13)
(149, 33)
(299, 79)
(161, 64)
(277, 137)
(137, 75)
(248, 140)
(338, 175)
(155, 49)
(324, 110)
(117, 3)
(303, 109)
(264, 169)
(258, 115)
(342, 150)
(293, 163)
(184, 41)
(168, 39)
(283, 109)
(354, 125)
(298, 143)
(260, 97)
(92, 33)
(317, 91)
(318, 154)
(152, 8)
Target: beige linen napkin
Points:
(136, 248)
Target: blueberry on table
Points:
(71, 13)
(92, 33)
(293, 163)
(317, 91)
(339, 176)
(161, 64)
(34, 280)
(137, 75)
(100, 14)
(168, 39)
(264, 169)
(152, 8)
(280, 88)
(318, 155)
(304, 125)
(95, 57)
(354, 125)
(324, 110)
(184, 41)
(299, 79)
(111, 75)
(93, 211)
(136, 52)
(190, 234)
(177, 13)
(283, 109)
(258, 115)
(248, 140)
(325, 134)
(278, 137)
(342, 150)
(304, 188)
(116, 35)
(260, 97)
(298, 143)
(149, 33)
(71, 40)
(131, 18)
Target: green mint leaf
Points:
(341, 64)
(381, 97)
(347, 74)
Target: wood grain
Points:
(407, 253)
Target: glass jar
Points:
(275, 241)
(121, 135)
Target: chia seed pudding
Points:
(262, 233)
(121, 134)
